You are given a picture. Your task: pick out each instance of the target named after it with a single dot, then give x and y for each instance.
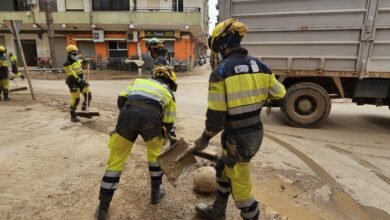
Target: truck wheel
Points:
(306, 105)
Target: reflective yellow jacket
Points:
(13, 59)
(3, 68)
(152, 91)
(73, 69)
(238, 89)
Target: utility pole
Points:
(50, 31)
(14, 27)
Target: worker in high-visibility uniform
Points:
(4, 80)
(238, 88)
(157, 51)
(159, 54)
(147, 108)
(14, 66)
(73, 68)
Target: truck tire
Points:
(307, 105)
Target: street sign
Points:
(16, 25)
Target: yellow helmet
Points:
(2, 49)
(224, 32)
(167, 74)
(71, 48)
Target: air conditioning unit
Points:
(98, 36)
(32, 2)
(132, 36)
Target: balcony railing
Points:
(170, 9)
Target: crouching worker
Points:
(76, 81)
(147, 108)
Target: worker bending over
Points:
(159, 54)
(147, 108)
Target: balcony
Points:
(113, 20)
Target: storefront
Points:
(181, 49)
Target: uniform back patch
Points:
(241, 69)
(255, 67)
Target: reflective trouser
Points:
(75, 97)
(235, 178)
(4, 84)
(133, 121)
(15, 71)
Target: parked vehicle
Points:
(320, 50)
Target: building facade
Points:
(109, 29)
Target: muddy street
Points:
(51, 168)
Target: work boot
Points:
(5, 92)
(157, 194)
(73, 116)
(84, 107)
(102, 209)
(216, 211)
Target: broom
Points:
(17, 87)
(86, 113)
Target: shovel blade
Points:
(176, 171)
(18, 89)
(87, 114)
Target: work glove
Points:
(202, 142)
(84, 84)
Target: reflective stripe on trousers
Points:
(110, 182)
(237, 180)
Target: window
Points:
(177, 5)
(53, 4)
(117, 49)
(110, 5)
(14, 5)
(74, 5)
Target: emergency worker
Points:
(157, 51)
(4, 81)
(238, 88)
(14, 64)
(147, 108)
(73, 68)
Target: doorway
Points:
(30, 51)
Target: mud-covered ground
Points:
(51, 168)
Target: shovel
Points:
(86, 113)
(178, 160)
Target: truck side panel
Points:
(316, 36)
